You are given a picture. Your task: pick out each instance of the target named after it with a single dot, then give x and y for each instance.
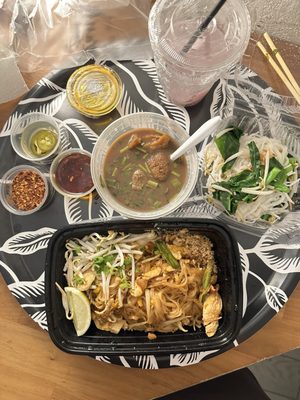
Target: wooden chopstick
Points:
(279, 72)
(281, 61)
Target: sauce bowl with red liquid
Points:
(70, 173)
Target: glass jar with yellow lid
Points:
(94, 90)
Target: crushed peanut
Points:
(28, 190)
(151, 336)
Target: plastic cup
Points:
(6, 190)
(53, 173)
(187, 77)
(25, 128)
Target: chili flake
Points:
(28, 190)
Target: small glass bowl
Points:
(23, 130)
(94, 90)
(53, 173)
(6, 189)
(143, 120)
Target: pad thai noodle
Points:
(250, 177)
(154, 281)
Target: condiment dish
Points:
(23, 192)
(94, 90)
(36, 137)
(70, 173)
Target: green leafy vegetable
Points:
(103, 264)
(125, 284)
(272, 175)
(164, 251)
(206, 279)
(78, 280)
(207, 276)
(76, 250)
(127, 261)
(294, 162)
(229, 144)
(266, 217)
(282, 188)
(274, 163)
(245, 179)
(254, 157)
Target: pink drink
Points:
(187, 77)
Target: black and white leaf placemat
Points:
(270, 261)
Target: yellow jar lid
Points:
(94, 90)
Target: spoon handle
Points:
(203, 132)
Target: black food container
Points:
(127, 343)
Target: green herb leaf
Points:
(127, 261)
(125, 284)
(103, 264)
(294, 162)
(76, 250)
(229, 144)
(266, 217)
(78, 280)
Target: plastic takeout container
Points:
(94, 90)
(23, 131)
(143, 120)
(6, 189)
(97, 342)
(285, 129)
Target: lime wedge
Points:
(80, 308)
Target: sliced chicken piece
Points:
(176, 251)
(212, 307)
(114, 327)
(137, 291)
(134, 141)
(154, 142)
(152, 273)
(88, 277)
(138, 180)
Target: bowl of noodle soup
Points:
(249, 170)
(154, 287)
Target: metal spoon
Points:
(202, 133)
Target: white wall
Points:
(280, 18)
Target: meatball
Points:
(138, 180)
(159, 165)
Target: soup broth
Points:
(138, 171)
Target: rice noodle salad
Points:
(150, 282)
(250, 177)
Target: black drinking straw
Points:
(203, 26)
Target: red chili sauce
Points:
(73, 173)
